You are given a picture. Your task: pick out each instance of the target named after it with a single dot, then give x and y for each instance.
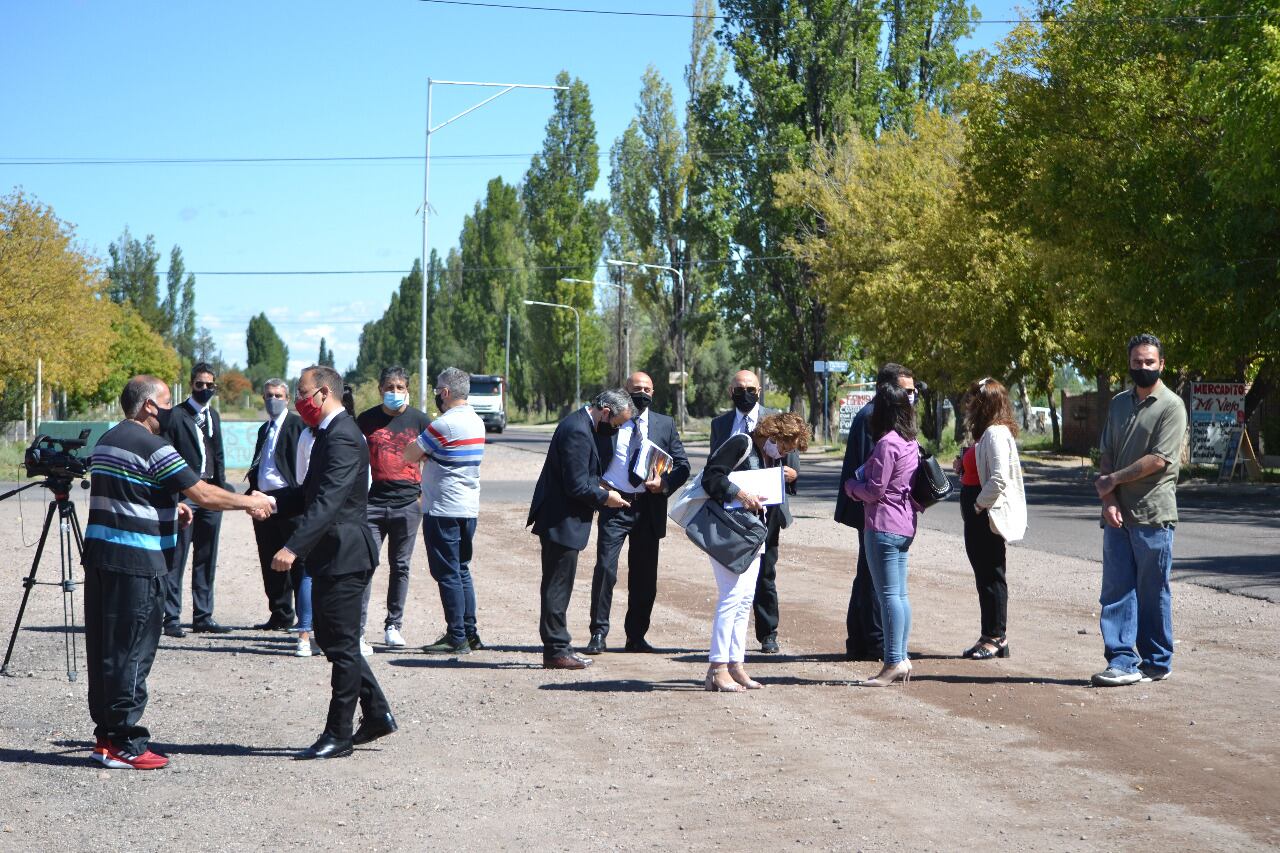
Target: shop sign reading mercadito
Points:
(1216, 407)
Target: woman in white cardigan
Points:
(994, 506)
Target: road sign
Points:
(830, 366)
(677, 378)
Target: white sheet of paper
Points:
(769, 483)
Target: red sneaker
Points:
(118, 759)
(99, 748)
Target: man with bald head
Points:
(643, 523)
(135, 512)
(746, 413)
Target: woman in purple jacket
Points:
(883, 485)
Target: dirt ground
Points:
(496, 753)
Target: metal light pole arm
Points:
(577, 344)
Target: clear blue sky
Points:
(98, 79)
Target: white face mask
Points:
(771, 449)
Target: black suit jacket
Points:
(722, 428)
(286, 455)
(568, 490)
(662, 432)
(332, 534)
(856, 451)
(185, 437)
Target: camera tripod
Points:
(69, 534)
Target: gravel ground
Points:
(495, 752)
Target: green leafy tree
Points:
(135, 279)
(921, 63)
(136, 348)
(180, 307)
(267, 354)
(566, 231)
(53, 306)
(494, 280)
(326, 355)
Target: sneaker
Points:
(475, 643)
(99, 748)
(365, 648)
(303, 649)
(1112, 677)
(1151, 674)
(393, 638)
(118, 759)
(445, 646)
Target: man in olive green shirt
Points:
(1141, 447)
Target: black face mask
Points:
(1144, 378)
(605, 428)
(164, 417)
(745, 399)
(439, 403)
(203, 396)
(641, 402)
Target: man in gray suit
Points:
(746, 413)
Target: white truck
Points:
(489, 399)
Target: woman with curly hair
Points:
(774, 437)
(993, 505)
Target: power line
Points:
(520, 7)
(466, 270)
(414, 159)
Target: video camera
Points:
(55, 458)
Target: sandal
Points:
(989, 647)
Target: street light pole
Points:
(680, 403)
(625, 330)
(426, 206)
(577, 345)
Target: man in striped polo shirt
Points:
(451, 448)
(129, 543)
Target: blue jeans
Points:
(302, 601)
(887, 560)
(449, 557)
(1137, 608)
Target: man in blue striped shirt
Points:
(129, 543)
(451, 448)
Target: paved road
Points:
(1228, 538)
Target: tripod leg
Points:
(66, 512)
(28, 583)
(69, 582)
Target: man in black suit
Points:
(195, 431)
(333, 536)
(644, 522)
(273, 472)
(567, 494)
(864, 639)
(743, 417)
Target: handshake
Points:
(263, 506)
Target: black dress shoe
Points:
(769, 646)
(566, 660)
(477, 645)
(596, 646)
(861, 655)
(327, 747)
(372, 728)
(208, 626)
(639, 646)
(173, 629)
(273, 625)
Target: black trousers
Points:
(201, 536)
(336, 603)
(766, 601)
(122, 618)
(559, 568)
(635, 525)
(986, 550)
(864, 637)
(271, 535)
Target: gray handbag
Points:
(731, 537)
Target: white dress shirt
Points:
(617, 474)
(746, 423)
(269, 476)
(208, 425)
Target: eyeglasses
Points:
(199, 385)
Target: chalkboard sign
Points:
(1231, 454)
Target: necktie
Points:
(633, 451)
(267, 447)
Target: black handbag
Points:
(731, 537)
(929, 484)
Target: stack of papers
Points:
(652, 461)
(767, 483)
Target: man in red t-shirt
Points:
(394, 512)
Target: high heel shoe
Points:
(987, 648)
(890, 674)
(738, 674)
(715, 685)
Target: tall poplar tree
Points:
(267, 354)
